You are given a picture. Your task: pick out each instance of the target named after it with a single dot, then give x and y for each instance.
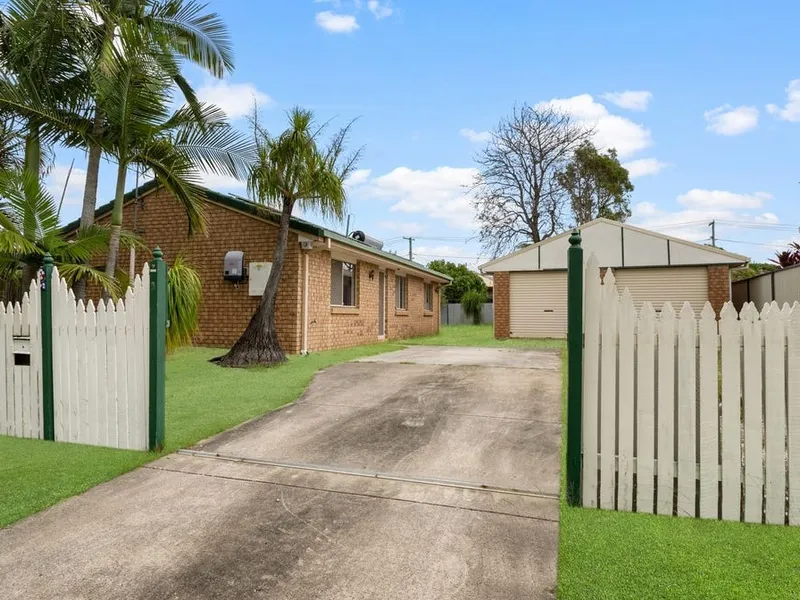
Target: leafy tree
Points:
(29, 229)
(597, 185)
(291, 169)
(472, 304)
(788, 258)
(464, 279)
(516, 193)
(752, 270)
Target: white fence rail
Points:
(100, 367)
(21, 367)
(686, 415)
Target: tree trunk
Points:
(116, 223)
(259, 343)
(90, 189)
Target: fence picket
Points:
(627, 319)
(17, 394)
(752, 338)
(103, 438)
(793, 415)
(645, 409)
(111, 375)
(71, 325)
(591, 380)
(666, 410)
(34, 321)
(687, 407)
(27, 401)
(608, 389)
(7, 405)
(120, 335)
(92, 400)
(709, 413)
(82, 370)
(731, 343)
(774, 417)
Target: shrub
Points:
(472, 305)
(184, 290)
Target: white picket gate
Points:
(21, 367)
(100, 367)
(687, 415)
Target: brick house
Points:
(530, 285)
(334, 291)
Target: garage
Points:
(530, 285)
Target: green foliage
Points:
(472, 304)
(480, 336)
(29, 229)
(184, 292)
(597, 184)
(752, 270)
(788, 258)
(464, 279)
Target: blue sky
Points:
(702, 101)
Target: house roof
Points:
(268, 214)
(616, 245)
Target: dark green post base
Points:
(574, 366)
(158, 349)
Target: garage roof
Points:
(616, 245)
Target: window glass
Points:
(428, 296)
(343, 283)
(400, 293)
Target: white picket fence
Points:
(690, 416)
(21, 367)
(100, 367)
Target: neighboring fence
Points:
(84, 373)
(453, 314)
(687, 416)
(778, 286)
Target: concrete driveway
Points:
(425, 473)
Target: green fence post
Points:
(158, 349)
(46, 305)
(574, 366)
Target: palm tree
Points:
(142, 132)
(291, 169)
(29, 229)
(165, 30)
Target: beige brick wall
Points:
(226, 307)
(719, 286)
(502, 305)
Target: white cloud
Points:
(629, 99)
(57, 179)
(380, 10)
(226, 183)
(611, 131)
(790, 112)
(711, 199)
(336, 23)
(645, 166)
(441, 193)
(727, 120)
(401, 228)
(769, 218)
(236, 99)
(358, 177)
(475, 136)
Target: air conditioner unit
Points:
(307, 245)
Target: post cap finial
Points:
(575, 238)
(48, 259)
(157, 253)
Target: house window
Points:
(401, 293)
(428, 296)
(343, 283)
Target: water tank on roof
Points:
(362, 237)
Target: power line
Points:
(751, 243)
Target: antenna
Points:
(64, 191)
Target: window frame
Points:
(401, 298)
(428, 300)
(353, 276)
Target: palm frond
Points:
(184, 292)
(73, 272)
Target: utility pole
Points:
(713, 226)
(410, 247)
(347, 231)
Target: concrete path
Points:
(424, 473)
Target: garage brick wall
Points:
(226, 307)
(502, 305)
(719, 286)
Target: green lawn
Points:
(202, 400)
(478, 335)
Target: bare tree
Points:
(516, 193)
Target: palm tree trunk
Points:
(116, 221)
(259, 343)
(90, 189)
